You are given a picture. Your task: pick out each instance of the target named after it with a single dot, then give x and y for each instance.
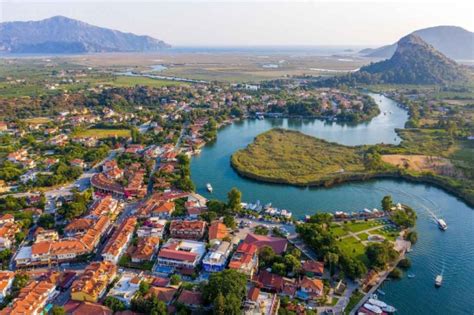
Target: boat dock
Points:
(383, 276)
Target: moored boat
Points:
(373, 308)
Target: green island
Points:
(290, 157)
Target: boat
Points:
(379, 291)
(373, 308)
(411, 276)
(260, 117)
(442, 225)
(209, 187)
(389, 309)
(438, 281)
(377, 302)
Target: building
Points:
(7, 234)
(261, 303)
(152, 227)
(245, 259)
(106, 206)
(117, 244)
(6, 280)
(32, 298)
(126, 287)
(82, 308)
(92, 284)
(313, 268)
(217, 231)
(191, 299)
(181, 253)
(278, 244)
(146, 249)
(163, 294)
(310, 288)
(216, 259)
(192, 230)
(104, 185)
(42, 235)
(270, 281)
(78, 226)
(159, 205)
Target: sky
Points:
(254, 23)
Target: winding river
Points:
(450, 252)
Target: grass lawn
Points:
(338, 230)
(389, 234)
(363, 236)
(291, 157)
(352, 247)
(103, 133)
(360, 225)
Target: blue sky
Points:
(260, 22)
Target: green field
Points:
(353, 248)
(37, 120)
(102, 133)
(291, 157)
(361, 225)
(126, 81)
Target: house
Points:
(216, 259)
(313, 268)
(278, 244)
(126, 287)
(86, 308)
(217, 231)
(245, 259)
(156, 206)
(92, 284)
(163, 294)
(146, 249)
(191, 299)
(42, 235)
(6, 281)
(7, 234)
(152, 227)
(28, 176)
(181, 253)
(32, 298)
(117, 244)
(7, 218)
(261, 303)
(270, 281)
(310, 288)
(78, 163)
(192, 230)
(104, 206)
(78, 226)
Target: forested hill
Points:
(414, 62)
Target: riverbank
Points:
(292, 158)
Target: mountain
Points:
(414, 62)
(60, 34)
(454, 42)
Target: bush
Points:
(396, 273)
(404, 263)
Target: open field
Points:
(353, 248)
(292, 157)
(102, 133)
(419, 163)
(37, 120)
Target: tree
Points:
(226, 282)
(321, 218)
(379, 254)
(175, 279)
(229, 221)
(219, 305)
(58, 310)
(216, 206)
(279, 268)
(387, 203)
(114, 304)
(233, 304)
(331, 259)
(261, 230)
(234, 197)
(266, 255)
(46, 221)
(144, 287)
(292, 263)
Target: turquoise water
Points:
(450, 252)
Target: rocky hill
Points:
(454, 42)
(60, 34)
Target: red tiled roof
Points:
(270, 280)
(253, 294)
(217, 230)
(190, 298)
(277, 243)
(313, 266)
(177, 255)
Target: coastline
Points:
(363, 177)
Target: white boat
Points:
(389, 309)
(411, 276)
(373, 308)
(209, 187)
(438, 281)
(442, 225)
(380, 292)
(377, 302)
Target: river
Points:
(450, 252)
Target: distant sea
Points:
(251, 50)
